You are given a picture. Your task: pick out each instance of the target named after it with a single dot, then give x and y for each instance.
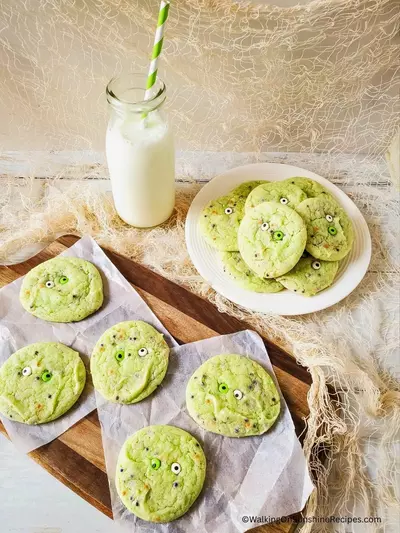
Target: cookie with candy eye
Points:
(63, 289)
(330, 232)
(244, 189)
(232, 395)
(271, 239)
(310, 187)
(219, 221)
(276, 191)
(160, 473)
(41, 382)
(129, 361)
(244, 277)
(310, 276)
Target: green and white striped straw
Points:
(157, 48)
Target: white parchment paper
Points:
(258, 476)
(19, 328)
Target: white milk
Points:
(141, 161)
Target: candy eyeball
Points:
(223, 387)
(332, 230)
(176, 468)
(284, 201)
(63, 280)
(238, 394)
(155, 463)
(27, 371)
(49, 284)
(265, 226)
(46, 376)
(228, 211)
(143, 352)
(120, 355)
(278, 235)
(329, 218)
(316, 265)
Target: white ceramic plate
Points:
(351, 271)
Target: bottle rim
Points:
(134, 83)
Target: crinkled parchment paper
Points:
(259, 476)
(19, 328)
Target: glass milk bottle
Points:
(140, 152)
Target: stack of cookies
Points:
(283, 234)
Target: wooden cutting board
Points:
(76, 457)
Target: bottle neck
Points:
(126, 94)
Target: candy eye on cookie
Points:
(176, 468)
(46, 376)
(63, 280)
(27, 371)
(120, 355)
(49, 284)
(329, 218)
(264, 226)
(155, 463)
(223, 388)
(316, 265)
(278, 235)
(238, 394)
(332, 230)
(228, 211)
(284, 201)
(143, 352)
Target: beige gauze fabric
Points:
(321, 77)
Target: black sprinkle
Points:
(19, 373)
(204, 376)
(303, 291)
(255, 255)
(37, 377)
(137, 504)
(337, 249)
(10, 416)
(213, 226)
(114, 336)
(134, 338)
(195, 377)
(117, 397)
(274, 399)
(175, 484)
(131, 498)
(74, 296)
(102, 345)
(236, 430)
(49, 395)
(36, 353)
(147, 449)
(246, 419)
(295, 290)
(205, 216)
(121, 470)
(197, 444)
(129, 354)
(192, 396)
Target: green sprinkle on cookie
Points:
(160, 473)
(41, 382)
(232, 395)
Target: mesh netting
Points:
(240, 76)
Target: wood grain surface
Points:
(76, 458)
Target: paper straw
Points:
(157, 48)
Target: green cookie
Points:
(271, 239)
(160, 473)
(329, 230)
(244, 189)
(129, 361)
(310, 187)
(232, 395)
(40, 382)
(244, 277)
(63, 289)
(310, 276)
(276, 191)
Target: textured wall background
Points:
(320, 76)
